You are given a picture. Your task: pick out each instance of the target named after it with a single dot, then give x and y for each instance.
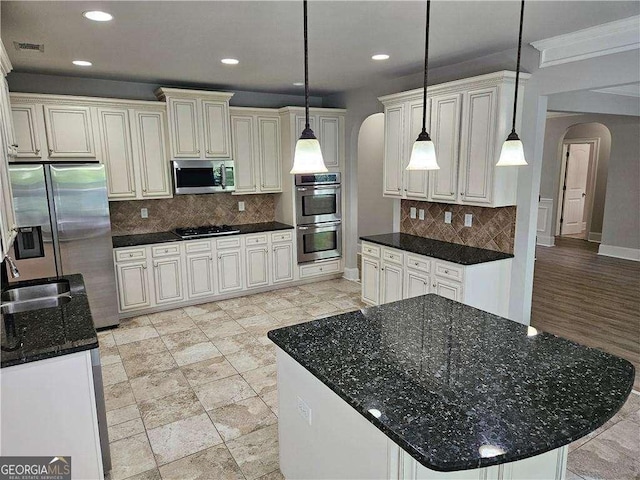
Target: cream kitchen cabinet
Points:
(167, 275)
(230, 265)
(117, 152)
(133, 285)
(151, 159)
(200, 269)
(7, 217)
(257, 262)
(370, 280)
(391, 279)
(26, 131)
(469, 120)
(282, 260)
(199, 127)
(6, 120)
(69, 131)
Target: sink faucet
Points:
(15, 273)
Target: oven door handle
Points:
(320, 225)
(321, 187)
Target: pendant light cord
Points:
(306, 68)
(515, 97)
(426, 70)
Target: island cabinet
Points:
(468, 121)
(257, 154)
(198, 123)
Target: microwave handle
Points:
(223, 172)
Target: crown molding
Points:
(605, 39)
(5, 63)
(45, 98)
(630, 90)
(163, 92)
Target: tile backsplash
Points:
(190, 211)
(492, 228)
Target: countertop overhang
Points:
(451, 381)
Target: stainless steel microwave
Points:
(203, 176)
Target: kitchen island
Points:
(431, 388)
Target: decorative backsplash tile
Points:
(190, 211)
(492, 228)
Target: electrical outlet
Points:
(241, 206)
(468, 219)
(412, 212)
(144, 213)
(421, 214)
(304, 410)
(447, 217)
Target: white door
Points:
(200, 275)
(445, 133)
(133, 285)
(257, 266)
(329, 137)
(185, 137)
(391, 282)
(243, 153)
(152, 154)
(269, 156)
(26, 131)
(416, 284)
(577, 170)
(282, 262)
(393, 150)
(117, 155)
(217, 139)
(415, 180)
(370, 280)
(167, 274)
(229, 271)
(69, 131)
(450, 290)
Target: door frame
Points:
(591, 178)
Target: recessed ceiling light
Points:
(98, 16)
(82, 63)
(298, 84)
(230, 61)
(380, 56)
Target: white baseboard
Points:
(595, 237)
(620, 252)
(352, 274)
(545, 241)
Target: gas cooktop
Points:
(208, 231)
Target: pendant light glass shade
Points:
(512, 154)
(423, 154)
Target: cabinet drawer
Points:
(282, 236)
(393, 256)
(194, 247)
(419, 263)
(315, 269)
(449, 270)
(223, 243)
(370, 250)
(123, 255)
(259, 239)
(165, 250)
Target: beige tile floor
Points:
(191, 393)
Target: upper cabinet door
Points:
(26, 131)
(477, 149)
(243, 153)
(416, 184)
(185, 137)
(69, 131)
(117, 155)
(269, 154)
(6, 120)
(217, 140)
(152, 154)
(393, 150)
(445, 132)
(329, 137)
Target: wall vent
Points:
(38, 47)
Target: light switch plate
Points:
(468, 219)
(412, 212)
(421, 214)
(241, 206)
(447, 217)
(144, 213)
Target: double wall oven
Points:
(318, 216)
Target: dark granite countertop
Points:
(49, 332)
(449, 379)
(120, 241)
(450, 252)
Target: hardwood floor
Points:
(587, 298)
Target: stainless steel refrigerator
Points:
(69, 202)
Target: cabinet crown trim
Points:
(312, 110)
(5, 63)
(163, 92)
(20, 98)
(255, 110)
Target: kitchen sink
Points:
(35, 297)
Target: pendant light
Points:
(512, 153)
(423, 154)
(307, 157)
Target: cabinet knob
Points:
(15, 145)
(320, 268)
(399, 188)
(144, 190)
(382, 269)
(144, 267)
(197, 151)
(452, 193)
(446, 271)
(131, 254)
(166, 250)
(50, 151)
(434, 285)
(424, 283)
(375, 266)
(208, 151)
(416, 264)
(37, 151)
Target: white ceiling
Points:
(183, 42)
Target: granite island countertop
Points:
(49, 332)
(450, 252)
(121, 241)
(449, 379)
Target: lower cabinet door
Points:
(133, 285)
(370, 280)
(168, 280)
(447, 289)
(282, 262)
(200, 275)
(257, 261)
(416, 284)
(391, 280)
(229, 271)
